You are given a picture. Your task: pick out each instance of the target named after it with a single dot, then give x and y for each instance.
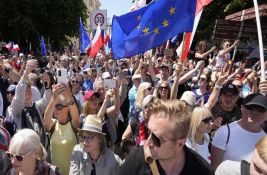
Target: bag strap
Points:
(152, 163)
(245, 167)
(228, 135)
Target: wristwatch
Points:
(71, 102)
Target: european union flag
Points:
(85, 43)
(43, 48)
(151, 26)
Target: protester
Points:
(92, 156)
(165, 151)
(202, 52)
(28, 156)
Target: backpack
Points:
(245, 167)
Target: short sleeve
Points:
(220, 138)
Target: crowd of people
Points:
(148, 114)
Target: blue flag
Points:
(151, 26)
(85, 43)
(43, 48)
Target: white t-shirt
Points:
(202, 150)
(229, 167)
(221, 60)
(241, 142)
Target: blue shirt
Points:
(87, 85)
(132, 96)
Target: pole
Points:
(260, 39)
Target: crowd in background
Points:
(89, 125)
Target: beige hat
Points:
(93, 124)
(136, 76)
(189, 97)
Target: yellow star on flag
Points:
(156, 31)
(146, 30)
(165, 23)
(138, 17)
(172, 10)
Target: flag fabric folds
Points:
(16, 48)
(85, 43)
(184, 47)
(9, 46)
(97, 42)
(43, 47)
(151, 26)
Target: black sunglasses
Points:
(202, 79)
(157, 141)
(163, 88)
(149, 89)
(207, 120)
(60, 106)
(75, 82)
(11, 92)
(18, 157)
(255, 108)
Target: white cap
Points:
(136, 76)
(21, 55)
(105, 75)
(189, 97)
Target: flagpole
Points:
(260, 39)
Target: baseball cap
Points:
(256, 99)
(189, 97)
(106, 75)
(229, 88)
(88, 94)
(11, 88)
(136, 76)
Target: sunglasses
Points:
(75, 82)
(256, 108)
(11, 92)
(157, 141)
(207, 120)
(87, 138)
(60, 106)
(202, 79)
(18, 157)
(149, 89)
(163, 88)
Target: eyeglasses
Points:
(75, 82)
(163, 88)
(207, 120)
(18, 157)
(157, 141)
(87, 138)
(255, 108)
(11, 92)
(60, 106)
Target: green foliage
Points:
(22, 21)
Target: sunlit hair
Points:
(86, 107)
(27, 140)
(201, 44)
(224, 43)
(199, 113)
(141, 93)
(175, 110)
(97, 84)
(261, 147)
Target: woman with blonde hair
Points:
(198, 138)
(28, 156)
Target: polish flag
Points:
(97, 43)
(16, 48)
(168, 44)
(106, 38)
(184, 47)
(9, 46)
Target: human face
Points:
(148, 91)
(10, 95)
(254, 114)
(93, 102)
(257, 165)
(90, 141)
(61, 108)
(164, 90)
(226, 45)
(21, 160)
(202, 80)
(161, 132)
(75, 85)
(205, 125)
(228, 101)
(164, 72)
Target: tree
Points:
(24, 21)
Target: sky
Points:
(115, 7)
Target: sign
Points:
(168, 52)
(99, 17)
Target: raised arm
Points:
(223, 52)
(174, 88)
(203, 55)
(103, 109)
(190, 74)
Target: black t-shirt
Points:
(194, 164)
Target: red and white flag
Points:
(106, 38)
(185, 45)
(16, 48)
(97, 43)
(168, 44)
(9, 46)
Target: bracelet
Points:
(218, 86)
(71, 102)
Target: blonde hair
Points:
(86, 108)
(175, 110)
(141, 93)
(261, 147)
(27, 140)
(199, 113)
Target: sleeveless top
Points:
(62, 142)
